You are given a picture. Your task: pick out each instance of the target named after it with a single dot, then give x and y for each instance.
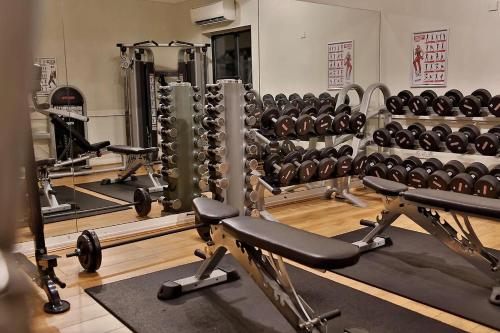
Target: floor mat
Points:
(419, 267)
(240, 306)
(84, 201)
(123, 191)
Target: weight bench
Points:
(421, 206)
(259, 246)
(46, 187)
(136, 157)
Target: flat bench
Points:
(127, 150)
(422, 206)
(248, 239)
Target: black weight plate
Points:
(429, 96)
(411, 162)
(268, 97)
(281, 103)
(405, 96)
(471, 131)
(287, 147)
(487, 144)
(374, 158)
(329, 152)
(470, 106)
(311, 154)
(432, 164)
(299, 103)
(286, 174)
(280, 96)
(307, 171)
(358, 164)
(393, 160)
(309, 109)
(304, 125)
(457, 143)
(430, 141)
(343, 108)
(328, 109)
(477, 170)
(453, 168)
(443, 106)
(326, 167)
(405, 139)
(494, 106)
(323, 124)
(394, 105)
(268, 115)
(314, 101)
(292, 157)
(439, 180)
(418, 178)
(272, 147)
(345, 150)
(327, 102)
(495, 171)
(269, 162)
(462, 183)
(443, 130)
(308, 95)
(340, 123)
(495, 130)
(379, 170)
(398, 174)
(284, 126)
(356, 122)
(455, 95)
(344, 166)
(290, 110)
(418, 106)
(382, 137)
(293, 96)
(394, 127)
(90, 256)
(487, 186)
(324, 95)
(417, 129)
(483, 95)
(142, 201)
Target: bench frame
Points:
(45, 185)
(466, 244)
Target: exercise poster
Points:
(429, 60)
(49, 74)
(340, 64)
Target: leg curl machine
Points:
(422, 206)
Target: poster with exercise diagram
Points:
(48, 80)
(429, 59)
(340, 64)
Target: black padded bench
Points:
(248, 239)
(422, 206)
(127, 150)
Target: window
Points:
(232, 56)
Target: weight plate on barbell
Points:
(142, 200)
(90, 252)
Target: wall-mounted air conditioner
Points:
(220, 11)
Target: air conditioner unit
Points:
(220, 11)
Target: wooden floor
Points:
(324, 217)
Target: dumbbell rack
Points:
(183, 103)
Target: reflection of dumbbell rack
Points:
(179, 101)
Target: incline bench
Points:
(421, 206)
(46, 189)
(247, 238)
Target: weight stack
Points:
(180, 107)
(236, 99)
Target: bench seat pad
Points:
(306, 248)
(459, 202)
(47, 162)
(384, 186)
(211, 211)
(127, 150)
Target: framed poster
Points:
(340, 64)
(429, 58)
(49, 74)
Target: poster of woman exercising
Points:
(340, 64)
(429, 58)
(48, 80)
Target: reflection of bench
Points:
(421, 206)
(259, 246)
(46, 189)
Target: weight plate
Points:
(432, 164)
(293, 96)
(393, 160)
(495, 129)
(268, 116)
(290, 110)
(340, 123)
(309, 109)
(314, 101)
(269, 162)
(90, 255)
(487, 186)
(329, 152)
(358, 164)
(487, 144)
(462, 183)
(398, 174)
(281, 103)
(470, 106)
(471, 131)
(286, 174)
(443, 106)
(418, 178)
(405, 139)
(344, 166)
(284, 126)
(142, 200)
(326, 167)
(343, 108)
(328, 109)
(375, 158)
(323, 124)
(418, 106)
(308, 95)
(411, 163)
(328, 102)
(307, 171)
(430, 141)
(393, 127)
(494, 106)
(429, 96)
(379, 170)
(483, 95)
(356, 122)
(394, 105)
(345, 150)
(405, 95)
(299, 103)
(439, 180)
(304, 125)
(292, 157)
(477, 170)
(311, 154)
(280, 97)
(382, 137)
(443, 130)
(453, 168)
(287, 146)
(457, 142)
(347, 100)
(495, 171)
(268, 97)
(324, 95)
(417, 129)
(455, 95)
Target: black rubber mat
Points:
(123, 191)
(83, 201)
(419, 267)
(240, 306)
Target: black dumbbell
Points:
(325, 166)
(471, 106)
(494, 106)
(418, 104)
(440, 179)
(458, 142)
(419, 177)
(305, 170)
(406, 138)
(342, 158)
(324, 122)
(304, 124)
(399, 173)
(489, 143)
(281, 125)
(293, 96)
(431, 140)
(489, 185)
(346, 101)
(443, 105)
(382, 167)
(396, 104)
(383, 136)
(464, 181)
(274, 167)
(357, 121)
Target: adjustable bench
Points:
(421, 206)
(247, 238)
(46, 189)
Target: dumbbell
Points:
(440, 179)
(383, 136)
(304, 123)
(399, 173)
(443, 105)
(458, 142)
(343, 163)
(418, 104)
(281, 125)
(324, 122)
(419, 177)
(464, 181)
(275, 168)
(494, 106)
(489, 185)
(325, 166)
(379, 166)
(306, 169)
(471, 105)
(431, 140)
(406, 138)
(356, 119)
(489, 143)
(396, 104)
